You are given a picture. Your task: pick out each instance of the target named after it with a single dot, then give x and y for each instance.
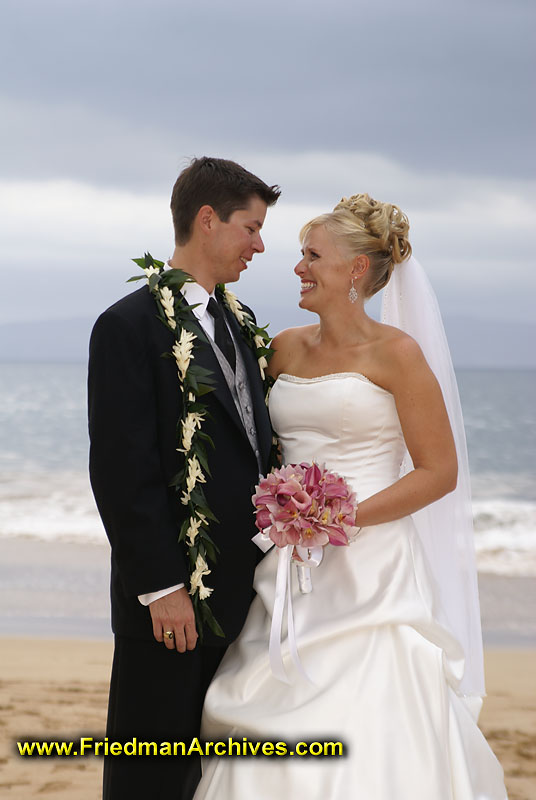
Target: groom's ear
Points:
(206, 219)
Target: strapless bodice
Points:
(341, 420)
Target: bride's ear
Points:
(360, 265)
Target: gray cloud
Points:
(112, 92)
(420, 103)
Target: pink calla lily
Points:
(312, 475)
(335, 490)
(301, 501)
(289, 487)
(261, 499)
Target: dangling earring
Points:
(352, 294)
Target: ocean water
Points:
(45, 492)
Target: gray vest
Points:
(239, 387)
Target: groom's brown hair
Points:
(224, 185)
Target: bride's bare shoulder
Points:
(286, 344)
(291, 336)
(388, 335)
(401, 358)
(397, 344)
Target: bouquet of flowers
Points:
(306, 506)
(300, 508)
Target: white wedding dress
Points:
(384, 672)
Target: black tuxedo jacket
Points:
(134, 403)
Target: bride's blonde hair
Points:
(366, 226)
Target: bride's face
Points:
(324, 271)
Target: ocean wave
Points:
(505, 536)
(50, 506)
(54, 506)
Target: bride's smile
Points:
(325, 270)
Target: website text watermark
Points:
(240, 748)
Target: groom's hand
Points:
(174, 612)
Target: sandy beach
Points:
(57, 689)
(56, 651)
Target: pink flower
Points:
(312, 475)
(289, 473)
(289, 535)
(289, 487)
(287, 490)
(341, 509)
(313, 536)
(305, 504)
(263, 519)
(302, 501)
(259, 499)
(334, 486)
(279, 538)
(336, 535)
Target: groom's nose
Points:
(258, 244)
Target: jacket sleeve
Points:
(125, 468)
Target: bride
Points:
(390, 635)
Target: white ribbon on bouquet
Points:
(311, 557)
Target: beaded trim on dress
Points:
(330, 377)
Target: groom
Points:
(161, 670)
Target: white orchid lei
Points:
(196, 381)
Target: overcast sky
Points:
(425, 104)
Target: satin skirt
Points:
(384, 676)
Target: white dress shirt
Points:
(194, 294)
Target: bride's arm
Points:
(427, 433)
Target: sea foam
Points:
(54, 506)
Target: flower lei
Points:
(196, 381)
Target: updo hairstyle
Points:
(364, 226)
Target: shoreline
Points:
(60, 590)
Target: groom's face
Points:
(234, 243)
